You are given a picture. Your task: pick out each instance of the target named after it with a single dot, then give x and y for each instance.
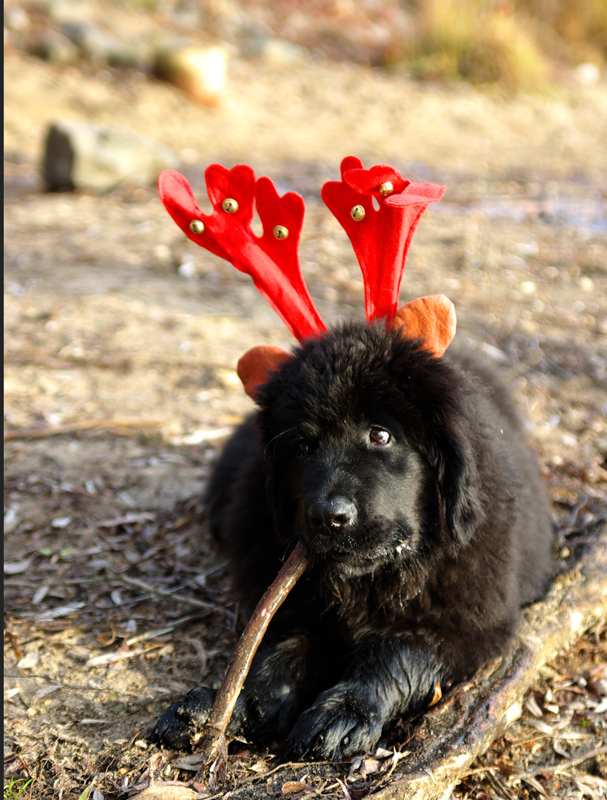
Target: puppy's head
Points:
(370, 458)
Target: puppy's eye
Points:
(303, 447)
(379, 436)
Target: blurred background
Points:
(122, 336)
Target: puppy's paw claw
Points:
(182, 721)
(335, 729)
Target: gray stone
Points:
(83, 155)
(53, 47)
(273, 51)
(16, 19)
(99, 46)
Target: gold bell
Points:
(280, 232)
(386, 188)
(197, 226)
(229, 205)
(357, 213)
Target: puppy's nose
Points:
(328, 516)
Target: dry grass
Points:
(513, 44)
(576, 30)
(478, 41)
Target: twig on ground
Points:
(127, 519)
(290, 765)
(82, 425)
(325, 788)
(142, 637)
(112, 658)
(179, 598)
(14, 640)
(563, 765)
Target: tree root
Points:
(452, 734)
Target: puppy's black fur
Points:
(409, 480)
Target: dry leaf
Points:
(532, 706)
(292, 787)
(191, 763)
(369, 766)
(438, 693)
(15, 567)
(260, 767)
(160, 792)
(539, 725)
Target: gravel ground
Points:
(121, 340)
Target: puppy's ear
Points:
(458, 482)
(255, 365)
(429, 318)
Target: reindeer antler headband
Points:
(380, 238)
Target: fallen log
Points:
(452, 734)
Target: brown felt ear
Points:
(255, 365)
(429, 318)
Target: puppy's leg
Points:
(387, 677)
(284, 679)
(280, 684)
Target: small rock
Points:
(187, 269)
(275, 52)
(587, 74)
(61, 11)
(228, 378)
(16, 19)
(97, 157)
(99, 47)
(53, 47)
(279, 53)
(200, 72)
(515, 261)
(527, 248)
(28, 661)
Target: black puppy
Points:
(408, 478)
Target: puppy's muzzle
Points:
(332, 516)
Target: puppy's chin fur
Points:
(409, 479)
(342, 565)
(364, 550)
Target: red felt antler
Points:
(272, 259)
(380, 237)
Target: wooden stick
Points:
(179, 598)
(83, 425)
(213, 745)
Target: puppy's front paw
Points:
(182, 721)
(338, 725)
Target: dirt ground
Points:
(115, 600)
